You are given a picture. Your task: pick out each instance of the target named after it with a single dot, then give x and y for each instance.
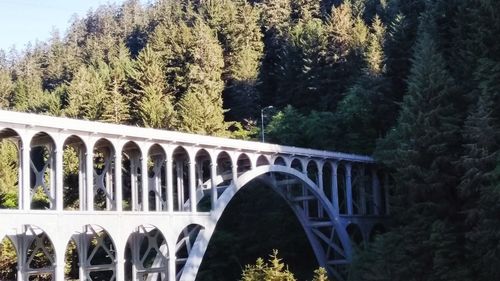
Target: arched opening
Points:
(8, 259)
(224, 173)
(328, 181)
(242, 234)
(131, 177)
(183, 247)
(342, 188)
(10, 155)
(279, 161)
(104, 184)
(72, 261)
(181, 179)
(146, 255)
(360, 192)
(355, 235)
(42, 175)
(376, 230)
(74, 151)
(157, 178)
(39, 255)
(312, 171)
(297, 165)
(96, 253)
(244, 163)
(203, 180)
(262, 161)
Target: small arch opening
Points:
(8, 259)
(244, 163)
(74, 151)
(131, 177)
(297, 165)
(10, 172)
(184, 245)
(279, 161)
(157, 178)
(42, 172)
(203, 180)
(180, 173)
(147, 252)
(103, 169)
(312, 171)
(355, 235)
(262, 160)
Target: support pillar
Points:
(171, 264)
(144, 183)
(59, 151)
(348, 184)
(82, 198)
(60, 262)
(118, 182)
(192, 186)
(335, 188)
(170, 184)
(320, 185)
(26, 172)
(90, 179)
(213, 191)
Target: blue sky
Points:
(22, 21)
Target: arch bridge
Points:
(130, 203)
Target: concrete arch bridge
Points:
(142, 204)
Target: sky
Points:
(22, 21)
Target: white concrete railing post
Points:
(377, 202)
(144, 182)
(213, 191)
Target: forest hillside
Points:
(415, 83)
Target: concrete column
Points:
(144, 182)
(60, 262)
(377, 201)
(335, 188)
(348, 184)
(26, 172)
(82, 198)
(118, 181)
(90, 179)
(133, 184)
(192, 185)
(170, 184)
(320, 185)
(59, 151)
(213, 191)
(234, 170)
(171, 263)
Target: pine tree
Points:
(200, 107)
(6, 88)
(116, 105)
(154, 104)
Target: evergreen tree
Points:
(6, 88)
(200, 107)
(155, 107)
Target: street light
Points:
(262, 119)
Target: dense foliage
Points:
(414, 82)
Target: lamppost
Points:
(262, 119)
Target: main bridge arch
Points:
(320, 221)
